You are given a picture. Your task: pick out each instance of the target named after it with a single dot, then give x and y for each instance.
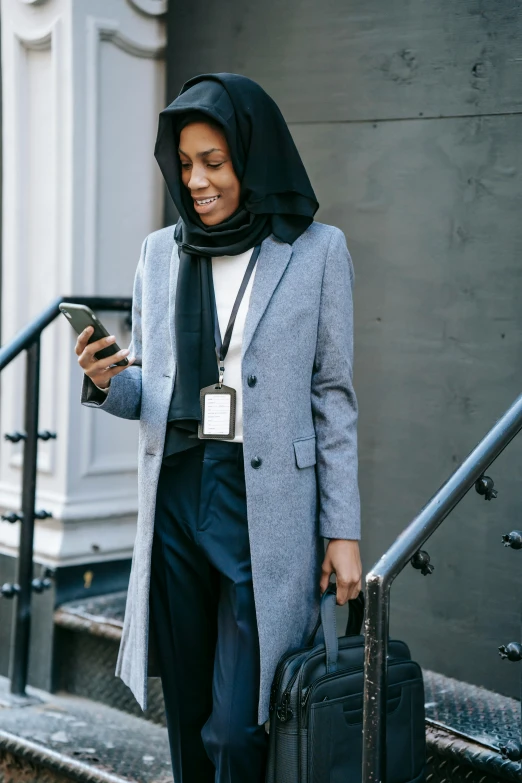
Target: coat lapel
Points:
(271, 264)
(173, 281)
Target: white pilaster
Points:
(83, 83)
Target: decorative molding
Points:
(65, 541)
(149, 7)
(99, 30)
(131, 47)
(103, 465)
(52, 562)
(44, 464)
(103, 505)
(39, 40)
(64, 64)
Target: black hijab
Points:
(276, 198)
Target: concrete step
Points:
(87, 637)
(59, 738)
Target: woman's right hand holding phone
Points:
(99, 370)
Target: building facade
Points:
(83, 83)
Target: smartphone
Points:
(80, 316)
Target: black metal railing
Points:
(28, 339)
(407, 548)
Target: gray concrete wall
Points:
(408, 116)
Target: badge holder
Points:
(218, 402)
(218, 411)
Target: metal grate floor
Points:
(101, 615)
(486, 717)
(472, 712)
(466, 723)
(82, 740)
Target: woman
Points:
(234, 501)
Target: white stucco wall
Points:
(83, 82)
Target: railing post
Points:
(375, 679)
(22, 613)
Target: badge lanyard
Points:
(218, 402)
(222, 347)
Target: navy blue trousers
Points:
(203, 617)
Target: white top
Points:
(227, 273)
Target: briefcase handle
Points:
(327, 619)
(355, 615)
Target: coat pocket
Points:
(305, 451)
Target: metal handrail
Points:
(28, 339)
(383, 573)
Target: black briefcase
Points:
(316, 708)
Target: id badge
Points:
(218, 412)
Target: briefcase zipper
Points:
(279, 676)
(305, 694)
(284, 711)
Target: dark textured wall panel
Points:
(431, 210)
(431, 213)
(358, 59)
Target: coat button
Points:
(256, 462)
(251, 380)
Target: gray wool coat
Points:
(300, 419)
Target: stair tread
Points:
(102, 615)
(91, 741)
(486, 717)
(469, 711)
(109, 607)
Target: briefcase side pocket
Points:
(335, 733)
(286, 765)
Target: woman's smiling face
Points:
(207, 172)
